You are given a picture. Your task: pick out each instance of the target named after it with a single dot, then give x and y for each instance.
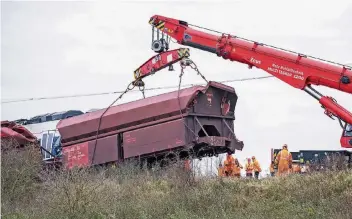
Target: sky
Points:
(65, 48)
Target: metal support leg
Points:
(227, 125)
(201, 126)
(312, 92)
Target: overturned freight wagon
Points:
(193, 122)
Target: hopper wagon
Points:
(190, 123)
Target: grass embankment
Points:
(130, 193)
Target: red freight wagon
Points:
(153, 128)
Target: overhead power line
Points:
(118, 92)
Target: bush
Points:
(131, 192)
(19, 175)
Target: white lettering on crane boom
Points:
(255, 61)
(287, 71)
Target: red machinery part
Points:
(160, 61)
(11, 130)
(293, 68)
(346, 141)
(336, 109)
(298, 70)
(346, 138)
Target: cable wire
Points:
(279, 48)
(184, 63)
(129, 88)
(132, 85)
(117, 92)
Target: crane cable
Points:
(130, 86)
(184, 63)
(142, 89)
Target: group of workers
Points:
(283, 161)
(232, 167)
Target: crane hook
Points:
(186, 62)
(138, 83)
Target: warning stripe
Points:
(183, 53)
(137, 73)
(187, 52)
(161, 25)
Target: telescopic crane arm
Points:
(159, 62)
(297, 70)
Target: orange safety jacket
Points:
(296, 169)
(237, 169)
(284, 158)
(256, 166)
(249, 167)
(229, 164)
(220, 171)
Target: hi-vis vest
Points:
(249, 167)
(284, 156)
(220, 171)
(229, 164)
(256, 166)
(237, 169)
(301, 160)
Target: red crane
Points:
(298, 70)
(159, 62)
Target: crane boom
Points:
(298, 70)
(295, 69)
(160, 61)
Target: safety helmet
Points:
(284, 146)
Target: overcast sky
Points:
(65, 48)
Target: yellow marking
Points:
(160, 25)
(137, 73)
(184, 52)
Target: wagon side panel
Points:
(156, 138)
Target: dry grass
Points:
(19, 175)
(128, 192)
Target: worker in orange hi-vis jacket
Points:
(256, 167)
(220, 170)
(296, 168)
(229, 164)
(284, 161)
(237, 169)
(249, 168)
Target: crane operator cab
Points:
(346, 138)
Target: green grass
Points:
(130, 193)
